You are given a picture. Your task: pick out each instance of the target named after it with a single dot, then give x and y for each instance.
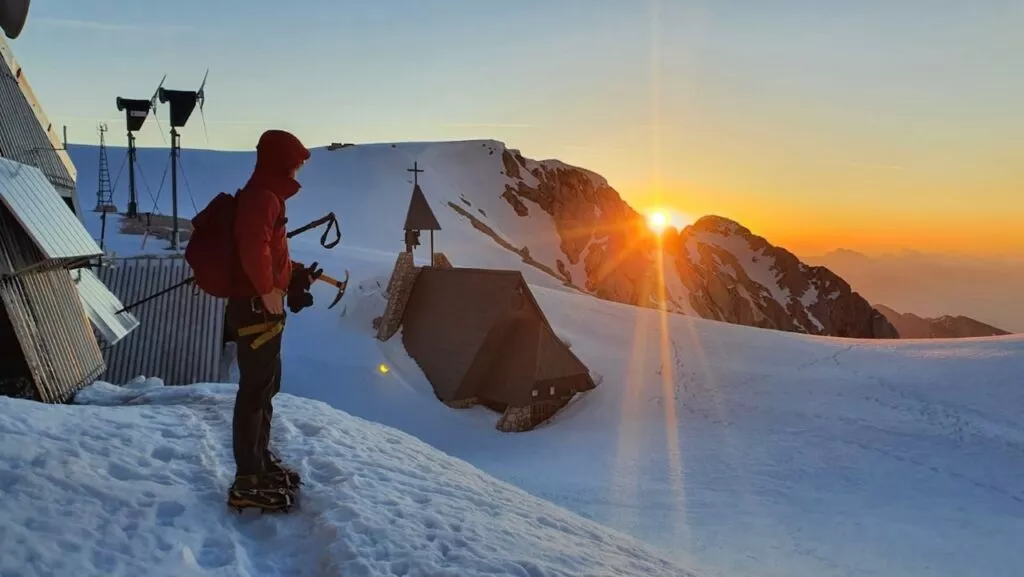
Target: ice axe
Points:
(317, 274)
(340, 284)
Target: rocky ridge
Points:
(715, 268)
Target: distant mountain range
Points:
(911, 326)
(934, 286)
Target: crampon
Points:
(291, 478)
(255, 492)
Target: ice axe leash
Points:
(329, 219)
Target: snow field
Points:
(135, 483)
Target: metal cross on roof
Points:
(415, 170)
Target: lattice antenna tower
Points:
(104, 193)
(183, 103)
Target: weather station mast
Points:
(183, 103)
(136, 111)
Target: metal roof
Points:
(43, 213)
(479, 333)
(420, 216)
(26, 134)
(102, 307)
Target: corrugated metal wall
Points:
(56, 338)
(26, 135)
(180, 335)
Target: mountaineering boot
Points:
(290, 477)
(259, 492)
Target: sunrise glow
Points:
(657, 221)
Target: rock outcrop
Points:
(596, 227)
(911, 326)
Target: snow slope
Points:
(134, 484)
(366, 186)
(736, 451)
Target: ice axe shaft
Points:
(341, 285)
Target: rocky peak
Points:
(596, 227)
(737, 276)
(719, 225)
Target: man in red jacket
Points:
(262, 246)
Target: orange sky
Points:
(810, 230)
(870, 125)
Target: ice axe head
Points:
(341, 285)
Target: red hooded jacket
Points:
(260, 212)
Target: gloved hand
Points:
(299, 300)
(302, 279)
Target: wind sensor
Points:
(135, 113)
(13, 14)
(183, 103)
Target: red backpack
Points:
(211, 250)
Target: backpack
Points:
(211, 249)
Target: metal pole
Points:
(176, 286)
(103, 230)
(133, 205)
(174, 186)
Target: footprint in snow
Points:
(168, 511)
(164, 453)
(122, 472)
(217, 552)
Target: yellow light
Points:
(657, 221)
(383, 369)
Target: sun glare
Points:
(657, 221)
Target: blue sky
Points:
(752, 108)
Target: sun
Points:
(657, 221)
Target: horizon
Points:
(880, 129)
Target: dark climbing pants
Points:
(259, 380)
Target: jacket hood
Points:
(278, 152)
